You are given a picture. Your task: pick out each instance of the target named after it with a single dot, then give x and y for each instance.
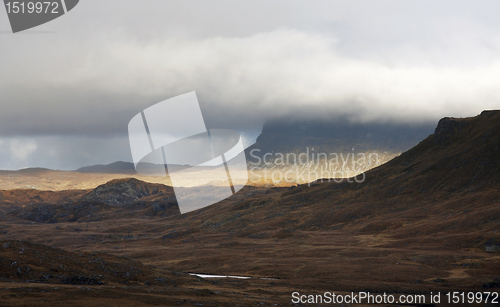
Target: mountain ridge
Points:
(287, 136)
(425, 221)
(447, 169)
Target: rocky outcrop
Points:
(120, 198)
(446, 128)
(125, 191)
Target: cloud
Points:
(22, 149)
(240, 81)
(386, 61)
(285, 71)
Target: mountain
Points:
(119, 167)
(428, 220)
(333, 146)
(295, 136)
(446, 171)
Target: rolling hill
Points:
(428, 220)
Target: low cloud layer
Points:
(280, 73)
(415, 62)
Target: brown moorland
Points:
(428, 220)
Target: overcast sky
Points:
(68, 88)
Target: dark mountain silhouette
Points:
(119, 167)
(455, 169)
(294, 136)
(29, 170)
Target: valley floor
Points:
(308, 262)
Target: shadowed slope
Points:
(448, 182)
(426, 221)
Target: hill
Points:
(456, 169)
(428, 220)
(119, 167)
(448, 182)
(116, 199)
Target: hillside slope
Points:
(449, 182)
(428, 220)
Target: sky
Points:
(68, 88)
